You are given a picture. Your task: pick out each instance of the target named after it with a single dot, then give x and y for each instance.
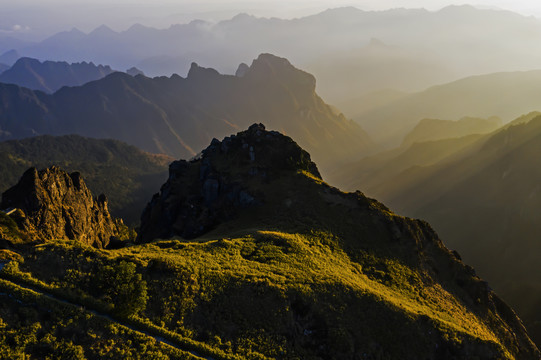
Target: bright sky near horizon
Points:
(35, 19)
(525, 7)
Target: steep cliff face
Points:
(52, 204)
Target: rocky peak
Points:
(200, 73)
(133, 71)
(268, 66)
(213, 187)
(53, 204)
(242, 70)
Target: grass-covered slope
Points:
(127, 175)
(301, 271)
(485, 204)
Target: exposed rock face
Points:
(56, 205)
(205, 191)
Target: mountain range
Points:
(481, 193)
(50, 76)
(283, 266)
(506, 95)
(176, 115)
(409, 40)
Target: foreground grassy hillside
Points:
(304, 271)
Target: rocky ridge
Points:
(197, 196)
(52, 204)
(262, 185)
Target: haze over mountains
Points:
(506, 95)
(50, 76)
(414, 48)
(480, 192)
(243, 250)
(176, 115)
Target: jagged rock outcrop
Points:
(271, 212)
(52, 204)
(201, 193)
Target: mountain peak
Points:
(214, 187)
(56, 205)
(198, 72)
(9, 57)
(103, 30)
(272, 66)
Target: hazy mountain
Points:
(175, 115)
(506, 95)
(50, 76)
(283, 266)
(133, 71)
(435, 129)
(3, 67)
(484, 201)
(371, 172)
(411, 52)
(9, 57)
(126, 174)
(352, 107)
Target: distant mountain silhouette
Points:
(506, 95)
(435, 129)
(9, 57)
(333, 45)
(3, 67)
(177, 115)
(49, 76)
(133, 71)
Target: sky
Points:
(37, 19)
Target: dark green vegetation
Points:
(302, 271)
(482, 197)
(177, 116)
(126, 174)
(39, 327)
(50, 76)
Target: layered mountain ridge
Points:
(50, 76)
(176, 115)
(481, 192)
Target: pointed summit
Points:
(220, 174)
(198, 72)
(103, 30)
(53, 204)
